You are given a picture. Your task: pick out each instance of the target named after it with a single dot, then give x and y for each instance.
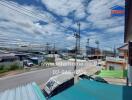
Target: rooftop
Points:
(28, 92)
(91, 90)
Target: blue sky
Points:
(36, 22)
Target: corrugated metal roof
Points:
(92, 90)
(28, 92)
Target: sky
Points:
(36, 22)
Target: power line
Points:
(29, 11)
(13, 6)
(33, 15)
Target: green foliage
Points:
(1, 67)
(49, 59)
(14, 67)
(5, 68)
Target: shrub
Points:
(49, 59)
(1, 67)
(14, 67)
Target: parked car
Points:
(27, 63)
(57, 84)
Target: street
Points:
(38, 76)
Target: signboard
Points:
(117, 11)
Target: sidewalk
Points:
(115, 81)
(92, 70)
(88, 70)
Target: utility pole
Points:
(76, 52)
(54, 54)
(47, 47)
(97, 43)
(114, 51)
(88, 42)
(87, 48)
(78, 38)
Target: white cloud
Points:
(25, 25)
(26, 28)
(115, 30)
(70, 38)
(64, 7)
(100, 13)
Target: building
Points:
(115, 63)
(123, 51)
(93, 53)
(90, 51)
(107, 53)
(36, 60)
(9, 59)
(22, 56)
(128, 21)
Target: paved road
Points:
(39, 76)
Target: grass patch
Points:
(4, 68)
(14, 67)
(3, 71)
(113, 73)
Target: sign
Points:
(117, 11)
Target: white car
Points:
(27, 63)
